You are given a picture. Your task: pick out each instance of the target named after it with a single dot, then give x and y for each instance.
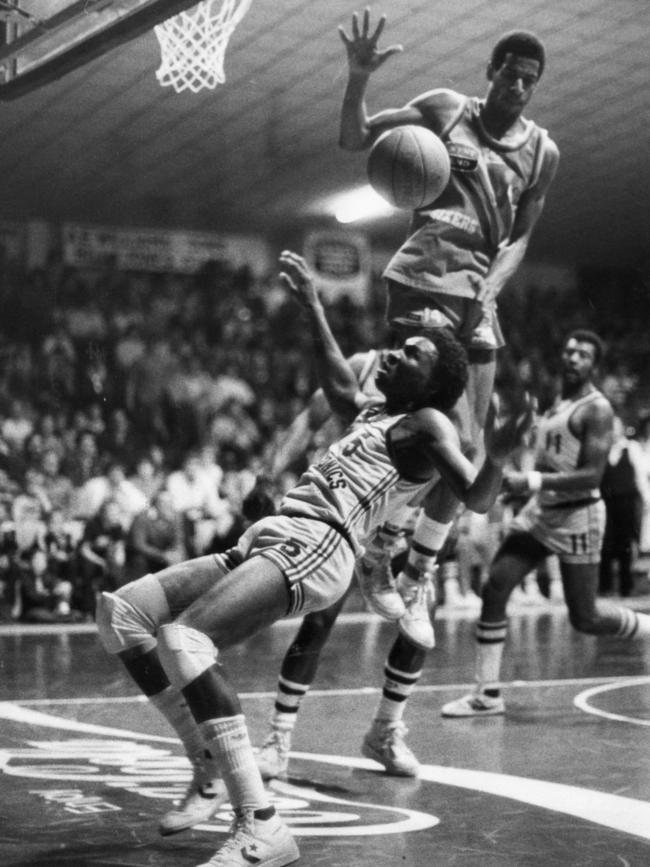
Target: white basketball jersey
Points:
(355, 486)
(558, 448)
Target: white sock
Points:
(398, 686)
(490, 639)
(228, 741)
(288, 698)
(428, 539)
(634, 624)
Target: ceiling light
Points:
(360, 204)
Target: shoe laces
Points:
(241, 832)
(393, 733)
(278, 739)
(422, 597)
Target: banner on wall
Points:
(341, 262)
(163, 250)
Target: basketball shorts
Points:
(314, 557)
(574, 533)
(417, 309)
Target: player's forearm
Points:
(576, 480)
(335, 375)
(354, 130)
(485, 488)
(504, 266)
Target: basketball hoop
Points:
(193, 44)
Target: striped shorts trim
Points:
(314, 558)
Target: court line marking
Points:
(581, 701)
(629, 815)
(362, 690)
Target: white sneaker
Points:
(273, 756)
(204, 796)
(377, 586)
(415, 624)
(385, 744)
(474, 704)
(263, 843)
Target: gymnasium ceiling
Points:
(106, 144)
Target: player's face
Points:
(578, 361)
(512, 84)
(405, 374)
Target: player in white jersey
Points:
(565, 515)
(385, 740)
(167, 627)
(461, 250)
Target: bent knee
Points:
(130, 617)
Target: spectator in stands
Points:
(626, 492)
(44, 597)
(58, 360)
(155, 539)
(30, 510)
(196, 497)
(148, 476)
(57, 487)
(81, 463)
(112, 485)
(118, 441)
(18, 425)
(102, 556)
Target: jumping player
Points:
(565, 515)
(167, 627)
(461, 250)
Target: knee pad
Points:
(131, 617)
(185, 653)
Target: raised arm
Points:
(336, 376)
(357, 129)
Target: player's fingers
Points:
(344, 36)
(288, 282)
(355, 26)
(388, 52)
(366, 22)
(374, 39)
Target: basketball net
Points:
(193, 44)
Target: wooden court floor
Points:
(87, 767)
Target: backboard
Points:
(41, 40)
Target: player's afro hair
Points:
(520, 42)
(450, 373)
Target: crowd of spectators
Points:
(136, 409)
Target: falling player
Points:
(167, 628)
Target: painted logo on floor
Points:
(78, 767)
(115, 758)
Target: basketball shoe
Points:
(385, 744)
(205, 794)
(263, 843)
(474, 704)
(419, 598)
(273, 756)
(377, 586)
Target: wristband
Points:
(534, 481)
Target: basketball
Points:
(408, 166)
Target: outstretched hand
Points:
(298, 278)
(361, 47)
(505, 431)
